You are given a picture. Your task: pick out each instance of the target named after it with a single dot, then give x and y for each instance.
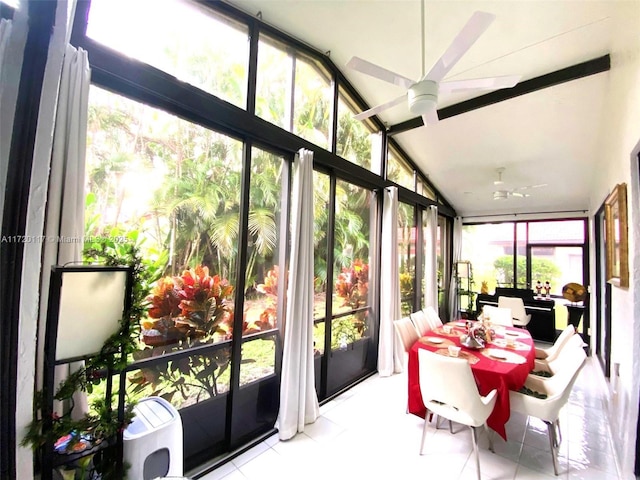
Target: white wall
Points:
(619, 147)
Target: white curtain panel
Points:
(431, 259)
(390, 351)
(5, 32)
(457, 254)
(298, 399)
(64, 229)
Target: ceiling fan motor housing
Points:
(423, 97)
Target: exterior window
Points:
(186, 40)
(557, 232)
(489, 248)
(150, 179)
(321, 247)
(398, 171)
(426, 191)
(351, 271)
(266, 285)
(293, 92)
(407, 256)
(357, 140)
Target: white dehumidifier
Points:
(153, 441)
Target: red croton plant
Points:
(190, 306)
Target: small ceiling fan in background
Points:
(422, 95)
(503, 194)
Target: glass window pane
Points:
(521, 247)
(150, 178)
(258, 359)
(357, 140)
(407, 256)
(557, 232)
(351, 253)
(442, 255)
(556, 265)
(398, 171)
(321, 248)
(262, 275)
(186, 40)
(312, 103)
(182, 382)
(274, 83)
(426, 191)
(489, 248)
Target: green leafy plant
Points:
(101, 422)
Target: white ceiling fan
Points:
(422, 95)
(503, 194)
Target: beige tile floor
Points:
(366, 434)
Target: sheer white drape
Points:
(431, 259)
(5, 32)
(457, 253)
(64, 227)
(298, 399)
(390, 351)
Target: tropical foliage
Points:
(541, 268)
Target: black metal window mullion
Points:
(241, 262)
(253, 67)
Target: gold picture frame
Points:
(615, 219)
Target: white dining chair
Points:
(519, 315)
(571, 348)
(432, 315)
(406, 332)
(551, 352)
(449, 390)
(421, 322)
(557, 390)
(498, 316)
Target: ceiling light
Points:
(423, 97)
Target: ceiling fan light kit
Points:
(500, 195)
(423, 97)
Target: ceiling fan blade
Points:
(380, 108)
(431, 117)
(368, 68)
(518, 194)
(531, 186)
(490, 83)
(469, 34)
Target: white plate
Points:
(434, 340)
(498, 354)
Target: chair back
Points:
(406, 332)
(516, 305)
(558, 388)
(498, 316)
(554, 350)
(447, 383)
(421, 322)
(571, 348)
(432, 315)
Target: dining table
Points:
(503, 364)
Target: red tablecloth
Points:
(489, 374)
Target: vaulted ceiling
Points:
(546, 136)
